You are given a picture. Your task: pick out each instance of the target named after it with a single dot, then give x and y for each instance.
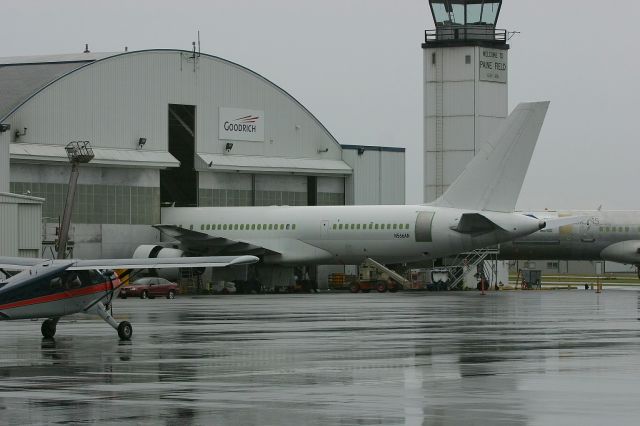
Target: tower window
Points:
(467, 59)
(433, 59)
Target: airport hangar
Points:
(168, 127)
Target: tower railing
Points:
(466, 33)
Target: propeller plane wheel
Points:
(171, 294)
(125, 330)
(144, 295)
(48, 328)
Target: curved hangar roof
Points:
(114, 99)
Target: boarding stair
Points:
(393, 275)
(470, 261)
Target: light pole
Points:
(78, 152)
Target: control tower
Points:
(465, 87)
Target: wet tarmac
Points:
(509, 358)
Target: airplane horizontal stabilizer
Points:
(475, 223)
(494, 177)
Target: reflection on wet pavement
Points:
(534, 358)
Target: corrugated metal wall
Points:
(116, 101)
(20, 226)
(29, 227)
(378, 176)
(8, 229)
(4, 162)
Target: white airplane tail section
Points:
(493, 179)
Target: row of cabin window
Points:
(613, 229)
(356, 226)
(248, 227)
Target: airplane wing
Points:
(199, 241)
(158, 263)
(19, 263)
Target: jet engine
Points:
(150, 251)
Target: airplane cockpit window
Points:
(71, 280)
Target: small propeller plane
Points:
(52, 289)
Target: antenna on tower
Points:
(510, 34)
(198, 42)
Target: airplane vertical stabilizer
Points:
(493, 179)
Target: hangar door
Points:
(180, 185)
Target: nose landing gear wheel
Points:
(48, 328)
(125, 330)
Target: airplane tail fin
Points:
(493, 179)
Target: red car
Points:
(149, 287)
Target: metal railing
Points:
(463, 33)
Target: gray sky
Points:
(357, 65)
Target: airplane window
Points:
(371, 226)
(376, 226)
(224, 227)
(55, 283)
(202, 227)
(406, 226)
(208, 226)
(253, 226)
(270, 226)
(235, 227)
(293, 226)
(264, 226)
(340, 226)
(620, 229)
(395, 226)
(242, 227)
(191, 227)
(626, 229)
(335, 226)
(353, 226)
(388, 226)
(358, 226)
(281, 227)
(259, 227)
(71, 280)
(288, 226)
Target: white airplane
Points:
(54, 288)
(476, 211)
(600, 235)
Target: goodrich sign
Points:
(241, 125)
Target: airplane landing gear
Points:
(124, 328)
(49, 328)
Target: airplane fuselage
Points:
(601, 235)
(50, 291)
(348, 234)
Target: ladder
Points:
(439, 125)
(391, 273)
(471, 260)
